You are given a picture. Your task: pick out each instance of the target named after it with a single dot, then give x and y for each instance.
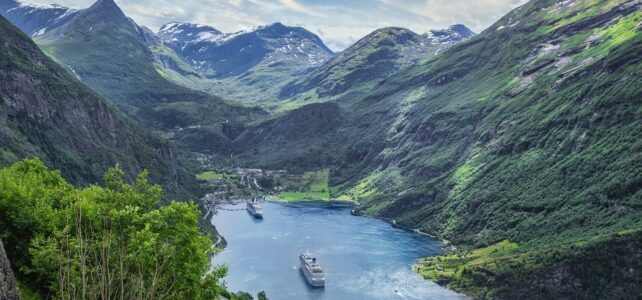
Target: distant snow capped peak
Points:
(220, 55)
(35, 19)
(176, 26)
(15, 4)
(462, 30)
(453, 34)
(176, 32)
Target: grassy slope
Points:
(355, 71)
(48, 114)
(209, 175)
(318, 122)
(297, 140)
(108, 53)
(309, 187)
(258, 86)
(530, 134)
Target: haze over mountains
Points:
(257, 60)
(250, 66)
(522, 143)
(266, 58)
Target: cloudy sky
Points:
(338, 22)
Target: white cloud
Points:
(295, 6)
(339, 22)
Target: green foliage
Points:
(303, 196)
(209, 175)
(111, 241)
(528, 133)
(297, 140)
(550, 272)
(449, 268)
(309, 186)
(262, 296)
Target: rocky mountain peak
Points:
(276, 25)
(184, 33)
(35, 19)
(106, 4)
(452, 34)
(462, 30)
(106, 11)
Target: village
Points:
(238, 185)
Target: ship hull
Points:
(254, 214)
(317, 283)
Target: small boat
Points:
(255, 209)
(312, 270)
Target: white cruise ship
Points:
(312, 270)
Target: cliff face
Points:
(47, 113)
(8, 284)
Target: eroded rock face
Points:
(8, 283)
(46, 113)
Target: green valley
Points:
(306, 187)
(519, 147)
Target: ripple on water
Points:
(363, 258)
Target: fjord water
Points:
(363, 258)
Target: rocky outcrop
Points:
(8, 283)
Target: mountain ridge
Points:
(374, 57)
(49, 114)
(248, 65)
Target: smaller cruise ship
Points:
(312, 270)
(254, 208)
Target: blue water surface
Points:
(363, 258)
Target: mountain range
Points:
(108, 52)
(520, 145)
(247, 66)
(255, 66)
(371, 59)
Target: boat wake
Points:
(278, 236)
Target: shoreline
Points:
(447, 247)
(276, 199)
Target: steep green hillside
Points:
(521, 146)
(320, 117)
(380, 54)
(48, 114)
(298, 140)
(109, 52)
(528, 133)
